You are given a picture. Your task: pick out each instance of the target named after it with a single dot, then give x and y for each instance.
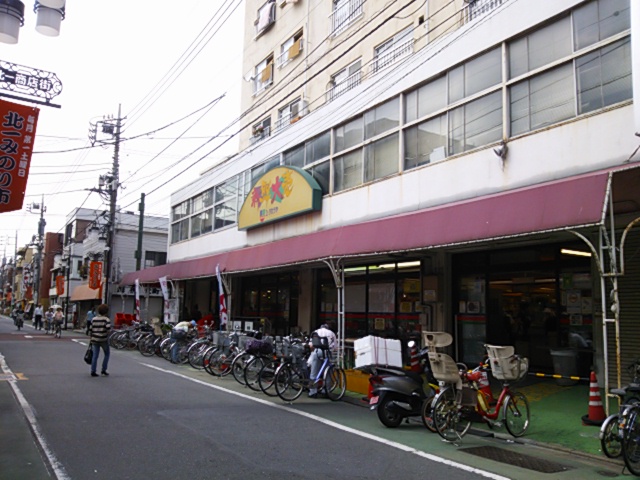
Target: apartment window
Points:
(349, 135)
(393, 49)
(261, 130)
(180, 230)
(201, 223)
(266, 17)
(290, 113)
(347, 171)
(345, 12)
(599, 20)
(381, 158)
(475, 75)
(604, 76)
(226, 204)
(382, 118)
(427, 99)
(263, 75)
(153, 259)
(294, 157)
(290, 49)
(317, 148)
(425, 143)
(345, 80)
(540, 48)
(476, 123)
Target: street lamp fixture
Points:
(50, 14)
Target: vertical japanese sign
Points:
(223, 302)
(165, 295)
(17, 136)
(60, 285)
(95, 275)
(137, 300)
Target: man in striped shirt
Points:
(100, 328)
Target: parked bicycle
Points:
(469, 395)
(613, 428)
(292, 378)
(631, 439)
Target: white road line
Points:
(330, 423)
(56, 466)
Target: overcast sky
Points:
(129, 53)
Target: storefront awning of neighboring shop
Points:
(83, 292)
(559, 205)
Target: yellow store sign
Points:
(282, 192)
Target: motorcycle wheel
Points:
(388, 418)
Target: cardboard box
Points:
(372, 350)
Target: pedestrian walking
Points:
(37, 315)
(100, 328)
(90, 314)
(48, 320)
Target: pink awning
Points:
(569, 203)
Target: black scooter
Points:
(398, 394)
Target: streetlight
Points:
(50, 14)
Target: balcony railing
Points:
(342, 87)
(478, 8)
(286, 56)
(344, 14)
(389, 56)
(260, 134)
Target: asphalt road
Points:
(151, 419)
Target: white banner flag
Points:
(223, 302)
(165, 294)
(137, 300)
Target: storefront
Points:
(538, 299)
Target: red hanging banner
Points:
(95, 275)
(17, 136)
(60, 285)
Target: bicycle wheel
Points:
(238, 366)
(610, 437)
(289, 382)
(219, 363)
(335, 382)
(146, 346)
(251, 373)
(194, 354)
(516, 414)
(427, 414)
(183, 352)
(631, 441)
(447, 416)
(165, 348)
(267, 376)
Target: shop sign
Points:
(95, 275)
(17, 136)
(60, 285)
(282, 192)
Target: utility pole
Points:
(140, 230)
(38, 242)
(111, 182)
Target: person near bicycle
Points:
(100, 328)
(58, 317)
(37, 317)
(317, 355)
(48, 320)
(178, 333)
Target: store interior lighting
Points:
(49, 15)
(577, 253)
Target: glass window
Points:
(396, 47)
(321, 173)
(180, 230)
(180, 211)
(598, 20)
(204, 200)
(318, 148)
(542, 100)
(349, 135)
(476, 124)
(382, 118)
(604, 77)
(381, 158)
(260, 170)
(295, 156)
(475, 75)
(540, 48)
(201, 223)
(427, 99)
(228, 189)
(425, 143)
(227, 200)
(347, 171)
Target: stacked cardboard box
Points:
(372, 350)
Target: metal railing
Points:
(344, 14)
(390, 56)
(347, 84)
(478, 8)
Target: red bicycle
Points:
(458, 403)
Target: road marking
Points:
(56, 466)
(330, 423)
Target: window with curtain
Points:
(542, 100)
(476, 123)
(347, 171)
(427, 99)
(599, 20)
(604, 76)
(475, 75)
(381, 158)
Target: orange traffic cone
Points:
(415, 361)
(596, 413)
